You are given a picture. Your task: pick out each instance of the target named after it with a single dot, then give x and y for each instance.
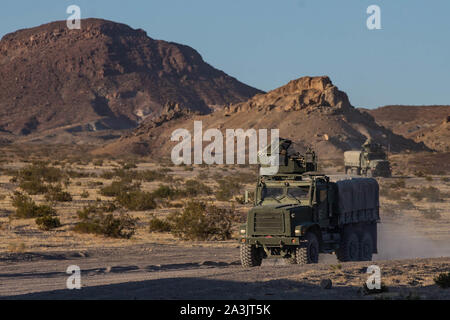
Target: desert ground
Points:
(414, 238)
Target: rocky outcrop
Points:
(310, 111)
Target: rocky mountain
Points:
(311, 111)
(104, 76)
(427, 124)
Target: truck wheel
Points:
(308, 252)
(366, 247)
(250, 256)
(349, 248)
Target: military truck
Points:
(299, 213)
(371, 161)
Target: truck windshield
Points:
(298, 192)
(272, 193)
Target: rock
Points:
(326, 284)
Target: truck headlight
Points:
(298, 230)
(242, 231)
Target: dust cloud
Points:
(403, 240)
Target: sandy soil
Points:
(413, 249)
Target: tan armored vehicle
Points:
(371, 161)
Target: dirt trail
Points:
(180, 272)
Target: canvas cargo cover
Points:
(357, 194)
(352, 158)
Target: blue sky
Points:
(267, 43)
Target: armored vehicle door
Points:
(323, 214)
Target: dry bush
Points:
(56, 194)
(136, 200)
(118, 187)
(48, 222)
(199, 221)
(443, 280)
(228, 187)
(95, 220)
(27, 208)
(159, 225)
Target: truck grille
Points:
(269, 223)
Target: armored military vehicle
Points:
(371, 161)
(299, 213)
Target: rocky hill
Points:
(427, 124)
(104, 76)
(311, 111)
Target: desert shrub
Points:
(195, 188)
(56, 194)
(419, 174)
(118, 187)
(159, 225)
(40, 171)
(93, 184)
(398, 184)
(84, 194)
(199, 221)
(98, 162)
(77, 174)
(164, 192)
(443, 280)
(150, 175)
(428, 178)
(228, 187)
(33, 187)
(129, 165)
(431, 213)
(394, 195)
(27, 208)
(416, 195)
(2, 197)
(188, 168)
(48, 222)
(93, 219)
(136, 200)
(406, 204)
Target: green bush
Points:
(136, 200)
(443, 280)
(27, 208)
(200, 221)
(48, 222)
(159, 225)
(228, 187)
(55, 194)
(33, 187)
(118, 187)
(94, 220)
(193, 188)
(164, 192)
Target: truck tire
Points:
(349, 247)
(250, 256)
(291, 260)
(308, 252)
(366, 246)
